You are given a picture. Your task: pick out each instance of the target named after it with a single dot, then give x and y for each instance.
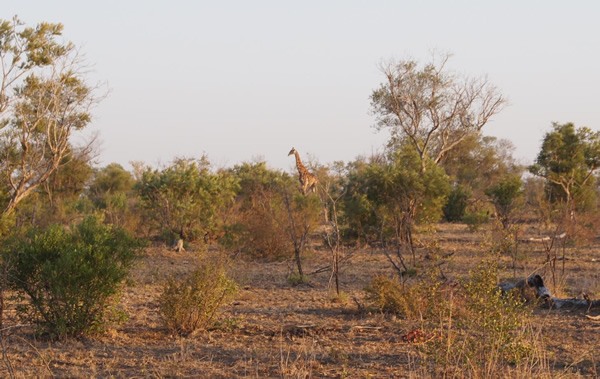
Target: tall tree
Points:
(474, 165)
(111, 191)
(505, 195)
(567, 160)
(432, 108)
(43, 99)
(480, 161)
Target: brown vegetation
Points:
(273, 329)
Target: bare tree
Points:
(303, 215)
(330, 196)
(298, 232)
(432, 108)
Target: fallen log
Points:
(532, 289)
(557, 303)
(366, 327)
(544, 239)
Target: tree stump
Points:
(179, 247)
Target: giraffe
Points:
(308, 181)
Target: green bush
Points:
(69, 276)
(475, 220)
(506, 195)
(186, 198)
(296, 279)
(191, 304)
(457, 202)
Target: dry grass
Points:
(273, 329)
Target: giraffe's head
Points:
(293, 151)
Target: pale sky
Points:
(246, 80)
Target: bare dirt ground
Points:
(274, 329)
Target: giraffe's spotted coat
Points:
(308, 181)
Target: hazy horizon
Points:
(240, 81)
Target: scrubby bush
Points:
(457, 202)
(191, 304)
(506, 195)
(412, 300)
(493, 324)
(468, 323)
(474, 220)
(482, 329)
(260, 233)
(69, 276)
(185, 199)
(296, 279)
(272, 219)
(388, 295)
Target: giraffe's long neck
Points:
(299, 165)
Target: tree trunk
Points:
(298, 241)
(297, 255)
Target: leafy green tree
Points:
(185, 198)
(358, 211)
(474, 165)
(111, 191)
(44, 99)
(254, 180)
(568, 159)
(457, 202)
(58, 200)
(398, 194)
(111, 179)
(506, 195)
(480, 161)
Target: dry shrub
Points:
(584, 231)
(295, 279)
(191, 304)
(267, 237)
(471, 324)
(298, 360)
(484, 330)
(259, 234)
(411, 300)
(388, 295)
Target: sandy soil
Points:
(274, 329)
